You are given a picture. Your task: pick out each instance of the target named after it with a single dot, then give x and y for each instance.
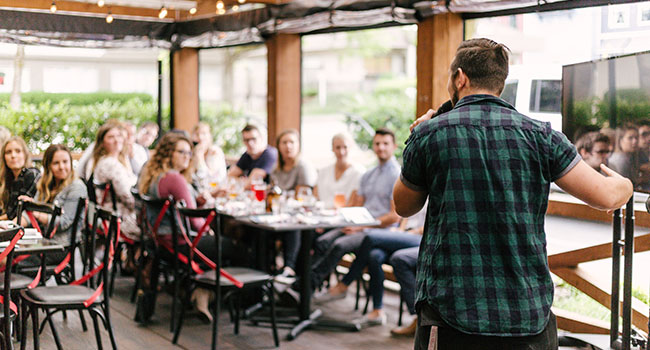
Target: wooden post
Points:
(185, 94)
(283, 96)
(438, 39)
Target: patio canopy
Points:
(82, 23)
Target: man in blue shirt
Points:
(259, 158)
(375, 194)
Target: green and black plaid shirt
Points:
(487, 170)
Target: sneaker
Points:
(406, 331)
(326, 297)
(365, 321)
(287, 277)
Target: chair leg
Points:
(215, 321)
(109, 327)
(358, 295)
(55, 334)
(82, 319)
(34, 310)
(237, 310)
(368, 295)
(401, 310)
(274, 327)
(179, 324)
(23, 326)
(98, 337)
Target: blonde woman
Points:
(17, 176)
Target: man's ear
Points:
(461, 79)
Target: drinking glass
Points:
(339, 200)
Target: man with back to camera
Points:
(594, 148)
(259, 158)
(482, 276)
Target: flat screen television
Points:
(612, 97)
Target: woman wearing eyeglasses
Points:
(169, 172)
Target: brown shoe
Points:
(406, 331)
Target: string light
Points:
(163, 12)
(192, 10)
(53, 7)
(235, 7)
(241, 1)
(220, 5)
(100, 3)
(221, 11)
(109, 18)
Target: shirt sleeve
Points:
(69, 204)
(175, 184)
(563, 155)
(268, 159)
(413, 170)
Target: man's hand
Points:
(426, 116)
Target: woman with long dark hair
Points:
(17, 176)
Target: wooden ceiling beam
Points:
(90, 8)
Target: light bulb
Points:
(109, 18)
(163, 13)
(100, 3)
(241, 1)
(221, 11)
(220, 5)
(53, 7)
(235, 8)
(192, 10)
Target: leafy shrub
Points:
(77, 99)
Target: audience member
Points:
(375, 194)
(404, 263)
(594, 148)
(336, 182)
(625, 159)
(110, 164)
(60, 186)
(259, 158)
(137, 154)
(147, 134)
(209, 160)
(17, 176)
(169, 172)
(291, 173)
(375, 250)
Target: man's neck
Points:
(471, 91)
(257, 154)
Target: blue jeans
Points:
(404, 262)
(376, 248)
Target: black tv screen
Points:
(610, 97)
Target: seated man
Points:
(594, 148)
(375, 195)
(259, 158)
(376, 249)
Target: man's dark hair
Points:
(588, 140)
(249, 128)
(643, 122)
(485, 62)
(385, 131)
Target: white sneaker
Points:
(365, 321)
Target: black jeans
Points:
(451, 339)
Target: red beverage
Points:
(260, 193)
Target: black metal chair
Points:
(233, 280)
(9, 311)
(90, 292)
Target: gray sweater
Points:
(68, 199)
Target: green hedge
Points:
(77, 99)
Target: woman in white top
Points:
(209, 160)
(340, 178)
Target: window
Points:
(546, 96)
(509, 93)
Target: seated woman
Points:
(17, 176)
(169, 172)
(291, 173)
(625, 159)
(336, 182)
(61, 186)
(209, 160)
(376, 249)
(110, 163)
